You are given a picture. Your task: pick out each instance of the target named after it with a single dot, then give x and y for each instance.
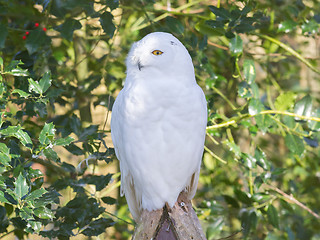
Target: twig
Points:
(290, 50)
(241, 117)
(218, 46)
(214, 155)
(163, 16)
(292, 199)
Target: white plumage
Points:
(158, 124)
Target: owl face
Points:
(158, 52)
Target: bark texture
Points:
(177, 223)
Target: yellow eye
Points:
(156, 52)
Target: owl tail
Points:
(128, 189)
(193, 183)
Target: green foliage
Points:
(62, 65)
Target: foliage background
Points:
(62, 65)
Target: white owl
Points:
(158, 124)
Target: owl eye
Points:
(156, 52)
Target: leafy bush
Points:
(62, 66)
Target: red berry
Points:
(27, 33)
(44, 29)
(24, 37)
(36, 24)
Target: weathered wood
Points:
(177, 223)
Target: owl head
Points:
(159, 53)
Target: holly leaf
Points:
(21, 187)
(107, 24)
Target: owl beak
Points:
(139, 65)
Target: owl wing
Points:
(127, 187)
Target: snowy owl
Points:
(158, 124)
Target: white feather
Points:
(158, 124)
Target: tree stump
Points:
(177, 223)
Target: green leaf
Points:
(3, 35)
(68, 27)
(4, 155)
(21, 93)
(112, 4)
(235, 46)
(99, 181)
(50, 154)
(3, 199)
(287, 26)
(109, 200)
(24, 138)
(244, 90)
(5, 159)
(303, 107)
(17, 132)
(310, 27)
(21, 187)
(248, 160)
(174, 25)
(36, 194)
(243, 196)
(314, 125)
(36, 226)
(261, 159)
(107, 24)
(264, 122)
(295, 144)
(255, 106)
(64, 141)
(47, 134)
(249, 70)
(34, 86)
(37, 39)
(220, 12)
(43, 213)
(273, 216)
(14, 69)
(249, 221)
(233, 148)
(98, 226)
(285, 101)
(26, 213)
(45, 82)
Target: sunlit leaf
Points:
(287, 26)
(285, 101)
(34, 86)
(64, 141)
(303, 107)
(47, 134)
(249, 70)
(45, 82)
(21, 187)
(36, 194)
(21, 93)
(44, 213)
(255, 106)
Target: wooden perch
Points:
(177, 223)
